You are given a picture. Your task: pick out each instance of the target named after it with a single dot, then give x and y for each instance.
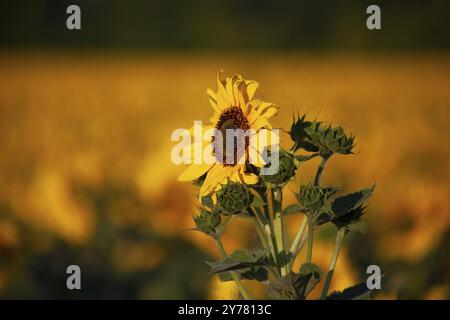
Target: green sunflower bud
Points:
(208, 222)
(300, 136)
(311, 197)
(314, 136)
(234, 198)
(288, 165)
(334, 140)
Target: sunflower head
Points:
(237, 123)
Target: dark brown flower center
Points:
(231, 121)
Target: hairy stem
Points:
(234, 275)
(337, 246)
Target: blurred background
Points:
(86, 117)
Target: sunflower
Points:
(234, 108)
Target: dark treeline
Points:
(225, 24)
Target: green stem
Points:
(273, 250)
(260, 232)
(234, 275)
(298, 236)
(296, 243)
(310, 239)
(337, 246)
(259, 225)
(277, 197)
(273, 229)
(320, 169)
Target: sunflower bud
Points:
(233, 198)
(288, 165)
(311, 197)
(335, 140)
(208, 222)
(300, 136)
(314, 136)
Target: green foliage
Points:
(242, 260)
(263, 204)
(346, 211)
(296, 286)
(356, 292)
(344, 204)
(251, 273)
(293, 209)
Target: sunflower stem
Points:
(259, 225)
(320, 169)
(274, 229)
(234, 275)
(337, 246)
(265, 238)
(310, 239)
(277, 197)
(295, 246)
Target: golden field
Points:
(85, 138)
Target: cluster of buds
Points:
(263, 204)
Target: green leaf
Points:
(342, 205)
(314, 273)
(357, 292)
(359, 226)
(302, 158)
(240, 259)
(284, 288)
(257, 200)
(253, 273)
(293, 208)
(296, 286)
(331, 191)
(207, 201)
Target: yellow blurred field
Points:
(96, 119)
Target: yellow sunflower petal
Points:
(223, 99)
(251, 88)
(261, 122)
(263, 109)
(255, 157)
(248, 178)
(229, 83)
(214, 177)
(215, 118)
(194, 171)
(213, 100)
